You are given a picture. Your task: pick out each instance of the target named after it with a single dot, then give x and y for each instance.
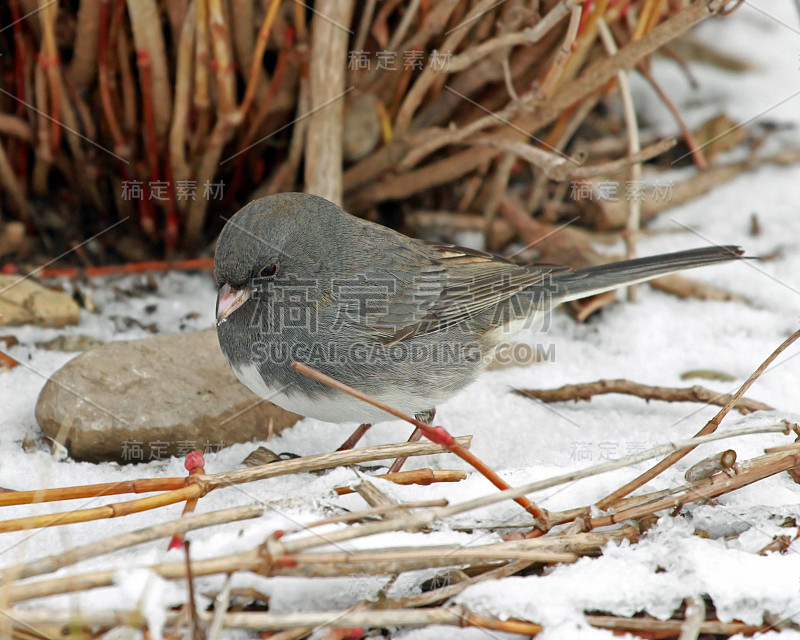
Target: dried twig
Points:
(672, 627)
(709, 428)
(718, 485)
(356, 618)
(200, 484)
(323, 176)
(417, 476)
(696, 393)
(695, 617)
(634, 146)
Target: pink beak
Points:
(229, 300)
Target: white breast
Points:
(338, 407)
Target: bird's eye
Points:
(268, 271)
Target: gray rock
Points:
(153, 398)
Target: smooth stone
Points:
(150, 399)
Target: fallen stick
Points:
(54, 621)
(709, 428)
(115, 510)
(195, 264)
(418, 520)
(417, 476)
(581, 543)
(328, 460)
(455, 615)
(696, 393)
(718, 485)
(145, 485)
(673, 627)
(200, 484)
(283, 467)
(271, 560)
(97, 548)
(285, 548)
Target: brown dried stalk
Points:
(696, 393)
(129, 97)
(44, 157)
(107, 511)
(454, 615)
(442, 594)
(285, 176)
(327, 461)
(228, 116)
(323, 155)
(82, 164)
(398, 560)
(634, 217)
(223, 59)
(709, 428)
(83, 67)
(278, 549)
(562, 133)
(275, 559)
(183, 76)
(11, 185)
(417, 476)
(202, 60)
(697, 153)
(638, 626)
(52, 563)
(559, 167)
(14, 126)
(613, 214)
(54, 622)
(748, 473)
(144, 16)
(423, 83)
(591, 80)
(200, 484)
(243, 20)
(256, 69)
(418, 520)
(425, 143)
(364, 25)
(49, 60)
(562, 55)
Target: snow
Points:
(652, 341)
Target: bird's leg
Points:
(352, 441)
(426, 417)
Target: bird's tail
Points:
(571, 285)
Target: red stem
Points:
(105, 92)
(171, 231)
(585, 13)
(19, 81)
(194, 464)
(196, 264)
(151, 145)
(439, 435)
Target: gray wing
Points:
(448, 285)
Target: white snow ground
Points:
(653, 341)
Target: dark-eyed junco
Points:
(408, 322)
